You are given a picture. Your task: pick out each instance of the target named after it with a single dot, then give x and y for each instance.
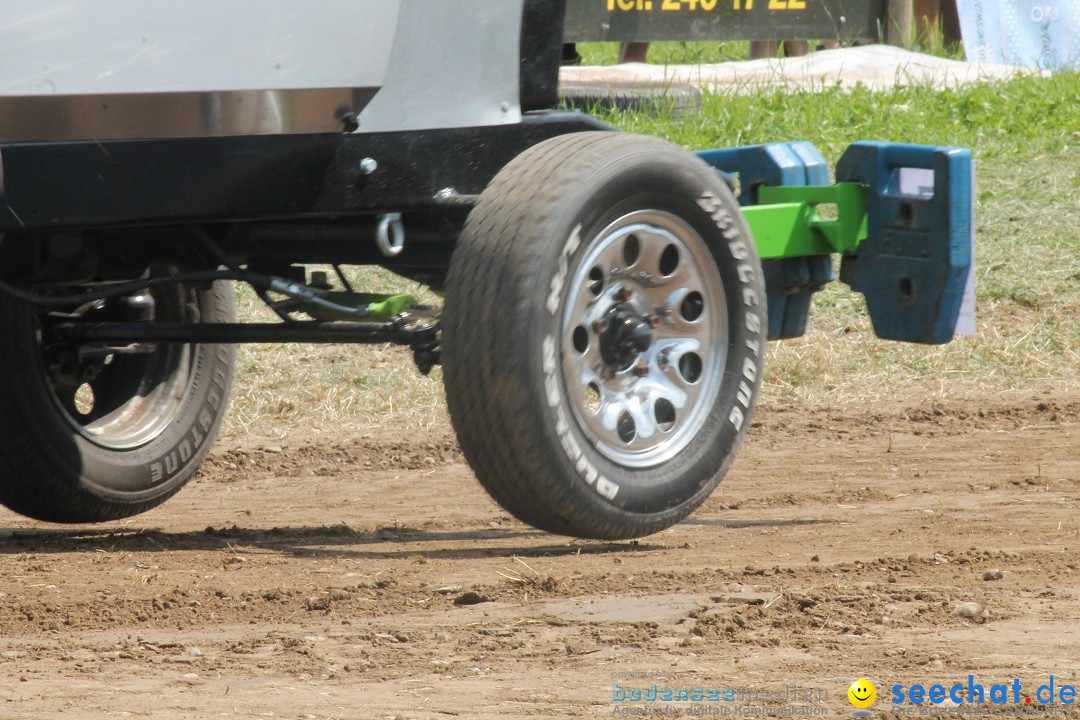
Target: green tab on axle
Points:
(377, 306)
(386, 307)
(789, 222)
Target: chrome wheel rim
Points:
(121, 401)
(644, 338)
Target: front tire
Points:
(102, 437)
(603, 335)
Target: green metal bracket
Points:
(379, 307)
(384, 307)
(788, 222)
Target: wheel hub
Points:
(624, 335)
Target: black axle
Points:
(422, 340)
(292, 332)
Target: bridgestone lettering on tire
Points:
(144, 427)
(603, 335)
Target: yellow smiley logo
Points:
(862, 693)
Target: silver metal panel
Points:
(455, 63)
(112, 69)
(101, 47)
(165, 115)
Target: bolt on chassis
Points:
(608, 296)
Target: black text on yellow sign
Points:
(706, 5)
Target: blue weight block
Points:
(757, 165)
(789, 282)
(913, 266)
(817, 170)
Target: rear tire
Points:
(105, 438)
(603, 335)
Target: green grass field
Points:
(1025, 135)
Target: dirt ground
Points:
(340, 578)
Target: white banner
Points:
(1030, 33)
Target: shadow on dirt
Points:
(317, 541)
(736, 524)
(338, 541)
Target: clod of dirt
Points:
(968, 610)
(993, 575)
(471, 598)
(317, 602)
(748, 598)
(392, 637)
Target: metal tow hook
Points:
(390, 234)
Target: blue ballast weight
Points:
(914, 263)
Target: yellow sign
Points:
(706, 5)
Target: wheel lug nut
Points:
(608, 373)
(625, 294)
(599, 325)
(641, 370)
(654, 321)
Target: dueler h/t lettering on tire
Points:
(89, 434)
(604, 334)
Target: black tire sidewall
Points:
(678, 183)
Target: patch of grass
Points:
(1019, 119)
(669, 53)
(333, 388)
